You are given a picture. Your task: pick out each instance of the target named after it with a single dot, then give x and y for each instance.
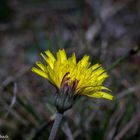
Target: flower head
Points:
(72, 77)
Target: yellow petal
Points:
(50, 55)
(101, 95)
(107, 96)
(99, 71)
(84, 62)
(61, 55)
(95, 95)
(94, 67)
(72, 59)
(40, 72)
(40, 65)
(105, 88)
(52, 76)
(49, 61)
(102, 76)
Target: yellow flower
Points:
(77, 77)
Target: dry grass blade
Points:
(67, 131)
(13, 99)
(135, 121)
(128, 91)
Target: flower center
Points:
(68, 86)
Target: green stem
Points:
(56, 125)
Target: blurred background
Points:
(107, 30)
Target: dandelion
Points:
(77, 77)
(72, 78)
